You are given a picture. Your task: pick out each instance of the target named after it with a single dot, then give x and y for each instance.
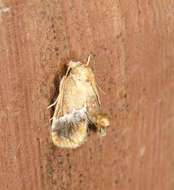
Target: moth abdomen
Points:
(102, 120)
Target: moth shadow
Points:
(91, 129)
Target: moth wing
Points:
(67, 130)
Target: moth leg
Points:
(101, 89)
(60, 90)
(53, 103)
(60, 96)
(101, 132)
(51, 119)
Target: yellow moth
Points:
(78, 105)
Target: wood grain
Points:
(133, 52)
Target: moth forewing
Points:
(69, 126)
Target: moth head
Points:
(73, 64)
(102, 120)
(81, 71)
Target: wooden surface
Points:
(132, 43)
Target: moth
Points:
(77, 105)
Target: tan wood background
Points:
(132, 47)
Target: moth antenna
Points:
(89, 57)
(68, 71)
